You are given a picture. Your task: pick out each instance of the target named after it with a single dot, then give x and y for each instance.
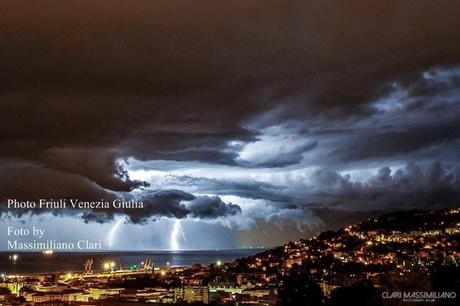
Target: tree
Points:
(446, 278)
(299, 290)
(360, 294)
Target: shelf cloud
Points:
(265, 102)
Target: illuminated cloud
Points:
(185, 105)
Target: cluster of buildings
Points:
(116, 288)
(394, 245)
(399, 246)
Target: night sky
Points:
(251, 122)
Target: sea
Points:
(65, 262)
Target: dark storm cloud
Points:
(180, 204)
(23, 181)
(33, 182)
(413, 186)
(29, 182)
(391, 141)
(81, 73)
(168, 203)
(241, 188)
(85, 85)
(212, 207)
(410, 187)
(421, 125)
(99, 165)
(42, 183)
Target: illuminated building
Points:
(192, 294)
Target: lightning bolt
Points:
(176, 234)
(113, 230)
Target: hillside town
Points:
(410, 250)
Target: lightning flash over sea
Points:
(113, 231)
(176, 233)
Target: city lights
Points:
(229, 153)
(329, 260)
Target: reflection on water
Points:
(64, 262)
